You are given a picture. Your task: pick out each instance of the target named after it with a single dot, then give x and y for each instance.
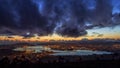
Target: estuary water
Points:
(40, 49)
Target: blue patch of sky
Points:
(90, 4)
(105, 31)
(116, 6)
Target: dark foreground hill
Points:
(86, 64)
(5, 63)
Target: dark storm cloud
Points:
(102, 14)
(22, 16)
(64, 17)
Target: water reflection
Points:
(40, 49)
(33, 49)
(80, 52)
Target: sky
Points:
(60, 19)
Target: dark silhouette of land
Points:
(25, 63)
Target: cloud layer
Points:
(65, 17)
